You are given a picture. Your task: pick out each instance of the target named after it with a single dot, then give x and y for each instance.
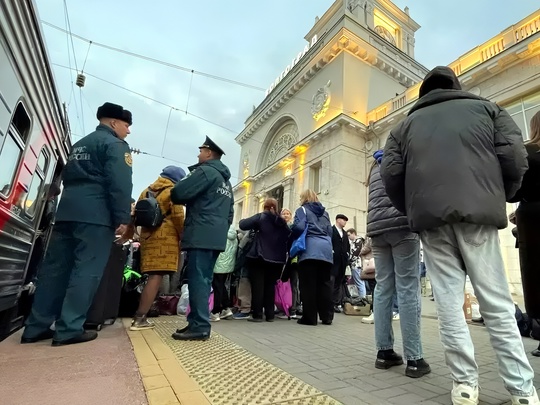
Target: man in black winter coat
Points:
(450, 166)
(397, 253)
(341, 247)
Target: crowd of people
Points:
(439, 183)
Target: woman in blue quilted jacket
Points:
(315, 263)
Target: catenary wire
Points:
(204, 119)
(151, 99)
(182, 68)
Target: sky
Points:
(246, 41)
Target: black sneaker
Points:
(387, 359)
(417, 368)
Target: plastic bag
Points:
(283, 296)
(183, 302)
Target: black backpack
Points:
(147, 211)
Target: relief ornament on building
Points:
(384, 33)
(321, 101)
(287, 137)
(245, 162)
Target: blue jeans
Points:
(397, 255)
(200, 272)
(360, 284)
(451, 253)
(69, 278)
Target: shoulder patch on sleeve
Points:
(128, 159)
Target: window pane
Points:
(514, 107)
(32, 200)
(532, 101)
(10, 158)
(42, 162)
(530, 113)
(520, 121)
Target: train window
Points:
(33, 196)
(11, 151)
(9, 156)
(21, 122)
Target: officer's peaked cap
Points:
(210, 144)
(110, 110)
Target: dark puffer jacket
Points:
(455, 158)
(382, 215)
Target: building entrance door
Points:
(277, 193)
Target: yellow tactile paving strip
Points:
(217, 372)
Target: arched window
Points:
(284, 139)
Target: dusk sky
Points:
(244, 41)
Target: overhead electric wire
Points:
(201, 118)
(70, 33)
(151, 99)
(67, 32)
(182, 68)
(158, 61)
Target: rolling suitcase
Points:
(104, 309)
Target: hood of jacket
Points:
(440, 85)
(441, 77)
(316, 207)
(216, 164)
(161, 184)
(231, 234)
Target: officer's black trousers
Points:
(68, 278)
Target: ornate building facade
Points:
(337, 100)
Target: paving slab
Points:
(339, 359)
(100, 372)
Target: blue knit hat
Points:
(378, 156)
(173, 173)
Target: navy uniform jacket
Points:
(207, 194)
(97, 181)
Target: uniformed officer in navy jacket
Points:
(95, 203)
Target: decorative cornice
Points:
(377, 53)
(333, 125)
(400, 105)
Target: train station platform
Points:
(243, 363)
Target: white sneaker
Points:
(395, 317)
(214, 317)
(532, 400)
(368, 319)
(226, 313)
(463, 394)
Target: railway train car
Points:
(34, 145)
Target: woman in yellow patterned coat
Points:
(160, 248)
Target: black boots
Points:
(417, 368)
(389, 358)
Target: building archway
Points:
(283, 136)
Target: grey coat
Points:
(455, 158)
(382, 215)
